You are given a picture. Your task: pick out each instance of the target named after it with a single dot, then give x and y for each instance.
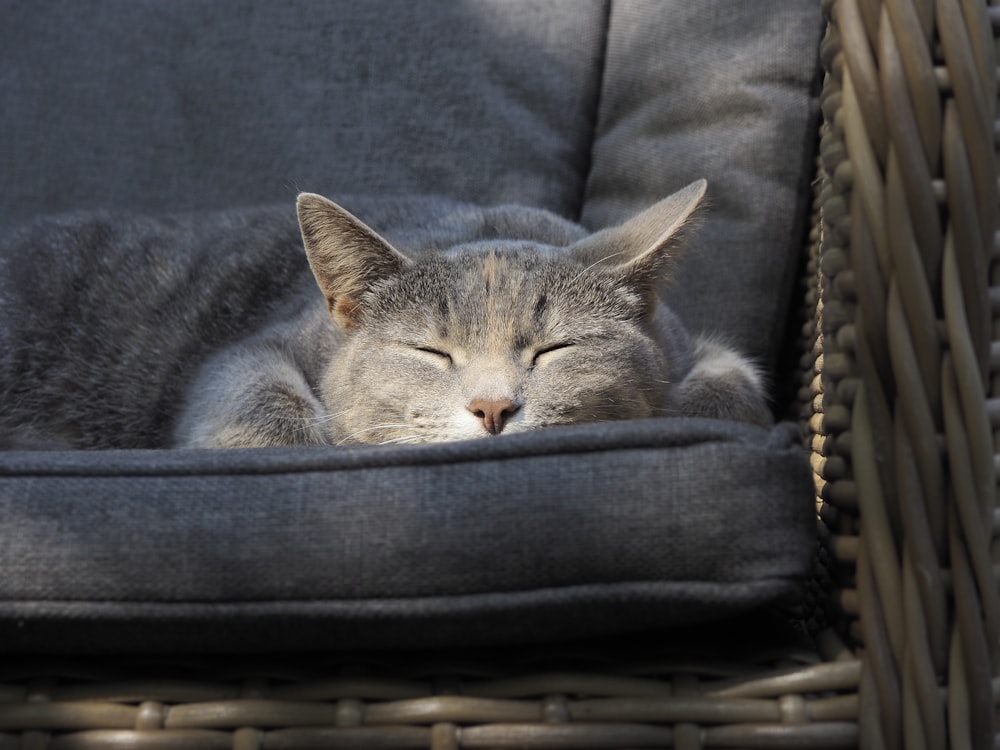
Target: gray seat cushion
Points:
(568, 532)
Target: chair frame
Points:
(900, 399)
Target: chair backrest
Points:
(594, 110)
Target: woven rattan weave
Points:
(899, 382)
(904, 440)
(538, 698)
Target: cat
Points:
(219, 332)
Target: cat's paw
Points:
(271, 407)
(281, 418)
(722, 384)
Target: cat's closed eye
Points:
(440, 358)
(549, 352)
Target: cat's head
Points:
(493, 337)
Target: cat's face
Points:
(492, 341)
(490, 338)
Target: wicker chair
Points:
(898, 367)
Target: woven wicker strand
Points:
(909, 151)
(812, 705)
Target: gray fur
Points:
(211, 331)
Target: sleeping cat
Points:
(196, 331)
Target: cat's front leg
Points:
(722, 384)
(251, 398)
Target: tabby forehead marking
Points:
(491, 269)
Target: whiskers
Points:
(405, 440)
(411, 435)
(383, 433)
(323, 422)
(312, 424)
(353, 437)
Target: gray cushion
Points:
(567, 532)
(160, 106)
(720, 90)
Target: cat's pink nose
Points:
(494, 414)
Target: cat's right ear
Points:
(644, 247)
(346, 256)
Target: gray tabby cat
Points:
(183, 332)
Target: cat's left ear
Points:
(643, 247)
(346, 255)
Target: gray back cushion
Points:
(160, 106)
(720, 90)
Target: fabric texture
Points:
(719, 90)
(594, 110)
(565, 532)
(165, 106)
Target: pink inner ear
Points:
(345, 310)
